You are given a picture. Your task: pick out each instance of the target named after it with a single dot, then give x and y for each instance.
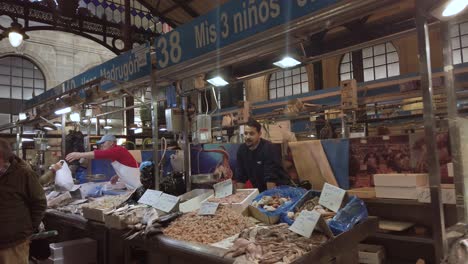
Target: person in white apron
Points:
(123, 162)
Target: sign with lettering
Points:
(150, 197)
(128, 66)
(305, 223)
(166, 202)
(332, 197)
(229, 23)
(208, 208)
(223, 189)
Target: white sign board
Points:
(305, 223)
(223, 189)
(150, 197)
(167, 202)
(332, 197)
(208, 208)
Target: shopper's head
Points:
(252, 133)
(107, 142)
(5, 151)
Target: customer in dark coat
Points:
(22, 206)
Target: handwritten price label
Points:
(208, 208)
(223, 189)
(332, 197)
(150, 197)
(167, 202)
(305, 223)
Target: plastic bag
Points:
(354, 212)
(283, 191)
(63, 177)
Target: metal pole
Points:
(155, 129)
(18, 140)
(438, 221)
(454, 130)
(64, 120)
(98, 127)
(188, 183)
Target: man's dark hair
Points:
(5, 150)
(253, 123)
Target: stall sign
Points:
(223, 189)
(166, 202)
(305, 223)
(150, 197)
(208, 208)
(229, 23)
(128, 66)
(332, 197)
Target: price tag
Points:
(208, 208)
(166, 202)
(150, 197)
(223, 189)
(332, 197)
(305, 223)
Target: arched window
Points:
(20, 79)
(288, 82)
(379, 62)
(459, 34)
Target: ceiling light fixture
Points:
(107, 127)
(218, 81)
(75, 117)
(26, 139)
(22, 116)
(139, 130)
(57, 124)
(287, 62)
(49, 128)
(63, 111)
(454, 7)
(15, 34)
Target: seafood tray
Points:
(239, 206)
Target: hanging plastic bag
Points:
(354, 212)
(63, 177)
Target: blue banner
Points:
(229, 23)
(129, 66)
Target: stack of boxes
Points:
(399, 186)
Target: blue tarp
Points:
(337, 151)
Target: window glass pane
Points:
(380, 72)
(28, 82)
(16, 93)
(16, 61)
(303, 69)
(345, 77)
(272, 94)
(465, 55)
(279, 75)
(27, 64)
(287, 73)
(345, 58)
(29, 73)
(5, 119)
(296, 71)
(464, 41)
(455, 43)
(273, 76)
(297, 89)
(296, 79)
(4, 79)
(392, 57)
(457, 57)
(38, 74)
(303, 77)
(368, 75)
(367, 52)
(288, 91)
(454, 31)
(5, 61)
(39, 84)
(27, 93)
(305, 87)
(390, 47)
(379, 60)
(368, 63)
(38, 91)
(379, 49)
(4, 91)
(280, 83)
(272, 84)
(16, 81)
(344, 67)
(464, 28)
(280, 92)
(393, 69)
(4, 70)
(288, 81)
(16, 71)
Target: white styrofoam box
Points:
(396, 192)
(447, 192)
(73, 249)
(371, 254)
(400, 180)
(240, 207)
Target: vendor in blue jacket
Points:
(257, 162)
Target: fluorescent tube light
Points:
(63, 111)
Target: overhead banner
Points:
(229, 23)
(128, 66)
